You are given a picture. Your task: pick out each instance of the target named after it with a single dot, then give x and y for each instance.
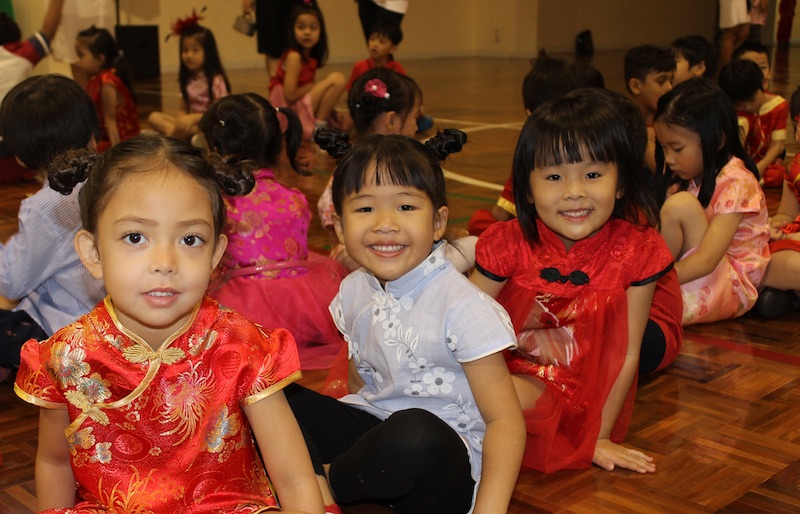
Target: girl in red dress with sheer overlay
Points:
(576, 272)
(156, 399)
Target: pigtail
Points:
(446, 142)
(293, 137)
(234, 175)
(70, 169)
(333, 141)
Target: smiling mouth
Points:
(160, 294)
(387, 248)
(576, 214)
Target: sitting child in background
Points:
(695, 56)
(201, 76)
(39, 118)
(382, 46)
(109, 84)
(17, 58)
(761, 117)
(548, 78)
(780, 291)
(649, 71)
(759, 54)
(295, 84)
(272, 278)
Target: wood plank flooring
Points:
(723, 422)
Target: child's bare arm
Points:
(608, 454)
(55, 483)
(285, 454)
(774, 151)
(485, 284)
(712, 248)
(52, 19)
(504, 440)
(788, 209)
(109, 98)
(291, 91)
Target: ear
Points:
(699, 69)
(635, 85)
(92, 144)
(338, 226)
(440, 222)
(393, 49)
(219, 250)
(86, 246)
(393, 123)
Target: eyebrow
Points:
(149, 222)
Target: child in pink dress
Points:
(715, 219)
(272, 278)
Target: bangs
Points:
(556, 146)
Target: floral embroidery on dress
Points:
(184, 402)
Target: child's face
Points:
(655, 84)
(380, 47)
(389, 229)
(575, 200)
(306, 31)
(155, 250)
(87, 63)
(682, 151)
(763, 62)
(684, 72)
(192, 54)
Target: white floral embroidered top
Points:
(409, 339)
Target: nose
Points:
(163, 259)
(385, 221)
(573, 189)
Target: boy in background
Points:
(41, 117)
(759, 54)
(383, 42)
(761, 116)
(649, 72)
(695, 56)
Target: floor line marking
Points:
(746, 349)
(471, 181)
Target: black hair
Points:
(587, 124)
(700, 106)
(45, 115)
(750, 46)
(741, 80)
(212, 63)
(144, 154)
(101, 43)
(645, 59)
(395, 159)
(794, 107)
(586, 75)
(365, 106)
(247, 126)
(390, 29)
(696, 49)
(318, 51)
(548, 78)
(9, 30)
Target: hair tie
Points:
(377, 88)
(181, 24)
(222, 123)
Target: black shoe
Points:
(772, 303)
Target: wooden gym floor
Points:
(723, 422)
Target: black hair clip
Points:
(576, 277)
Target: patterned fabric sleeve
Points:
(33, 383)
(655, 258)
(737, 191)
(273, 360)
(478, 328)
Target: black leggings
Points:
(654, 347)
(411, 462)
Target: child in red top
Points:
(382, 46)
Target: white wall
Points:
(433, 28)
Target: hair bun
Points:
(70, 168)
(333, 141)
(446, 142)
(234, 176)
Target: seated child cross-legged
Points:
(270, 276)
(579, 319)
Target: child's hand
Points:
(776, 234)
(609, 455)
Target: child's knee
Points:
(337, 79)
(681, 205)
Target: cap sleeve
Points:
(498, 250)
(274, 363)
(655, 259)
(34, 384)
(737, 191)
